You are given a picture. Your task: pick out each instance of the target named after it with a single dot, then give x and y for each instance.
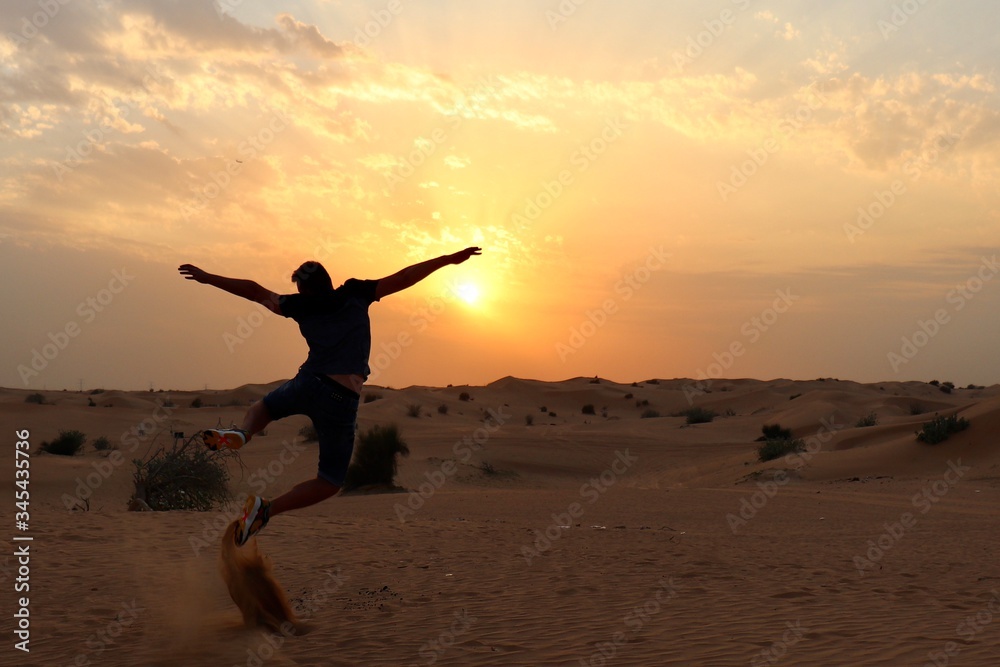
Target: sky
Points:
(661, 189)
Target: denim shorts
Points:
(333, 409)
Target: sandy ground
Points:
(586, 540)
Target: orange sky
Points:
(660, 189)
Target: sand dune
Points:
(588, 539)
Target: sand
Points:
(576, 540)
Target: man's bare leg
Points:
(302, 495)
(256, 419)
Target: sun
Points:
(468, 293)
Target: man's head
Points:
(312, 278)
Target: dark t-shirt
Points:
(336, 327)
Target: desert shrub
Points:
(35, 398)
(649, 413)
(870, 419)
(946, 387)
(103, 444)
(654, 381)
(730, 412)
(543, 409)
(69, 443)
(308, 433)
(376, 457)
(186, 476)
(370, 397)
(413, 410)
(934, 383)
(489, 469)
(529, 420)
(641, 403)
(588, 409)
(916, 409)
(90, 403)
(596, 380)
(442, 409)
(197, 402)
(628, 397)
(698, 415)
(168, 404)
(774, 448)
(464, 396)
(775, 432)
(552, 414)
(940, 429)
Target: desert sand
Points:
(577, 540)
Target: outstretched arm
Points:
(247, 289)
(412, 275)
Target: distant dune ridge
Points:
(768, 563)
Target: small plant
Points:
(649, 413)
(197, 403)
(698, 415)
(543, 409)
(69, 443)
(652, 381)
(775, 432)
(442, 409)
(588, 409)
(596, 380)
(871, 419)
(552, 414)
(730, 412)
(488, 469)
(90, 403)
(370, 397)
(916, 409)
(168, 404)
(946, 387)
(529, 420)
(934, 383)
(940, 429)
(628, 397)
(464, 396)
(642, 403)
(35, 398)
(774, 448)
(308, 433)
(376, 458)
(413, 410)
(186, 476)
(103, 444)
(96, 391)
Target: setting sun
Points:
(468, 293)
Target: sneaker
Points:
(256, 512)
(224, 438)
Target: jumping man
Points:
(327, 388)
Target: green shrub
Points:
(649, 413)
(35, 398)
(69, 443)
(187, 476)
(940, 429)
(442, 409)
(641, 403)
(103, 444)
(413, 410)
(774, 448)
(588, 409)
(376, 458)
(871, 419)
(697, 415)
(464, 396)
(197, 403)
